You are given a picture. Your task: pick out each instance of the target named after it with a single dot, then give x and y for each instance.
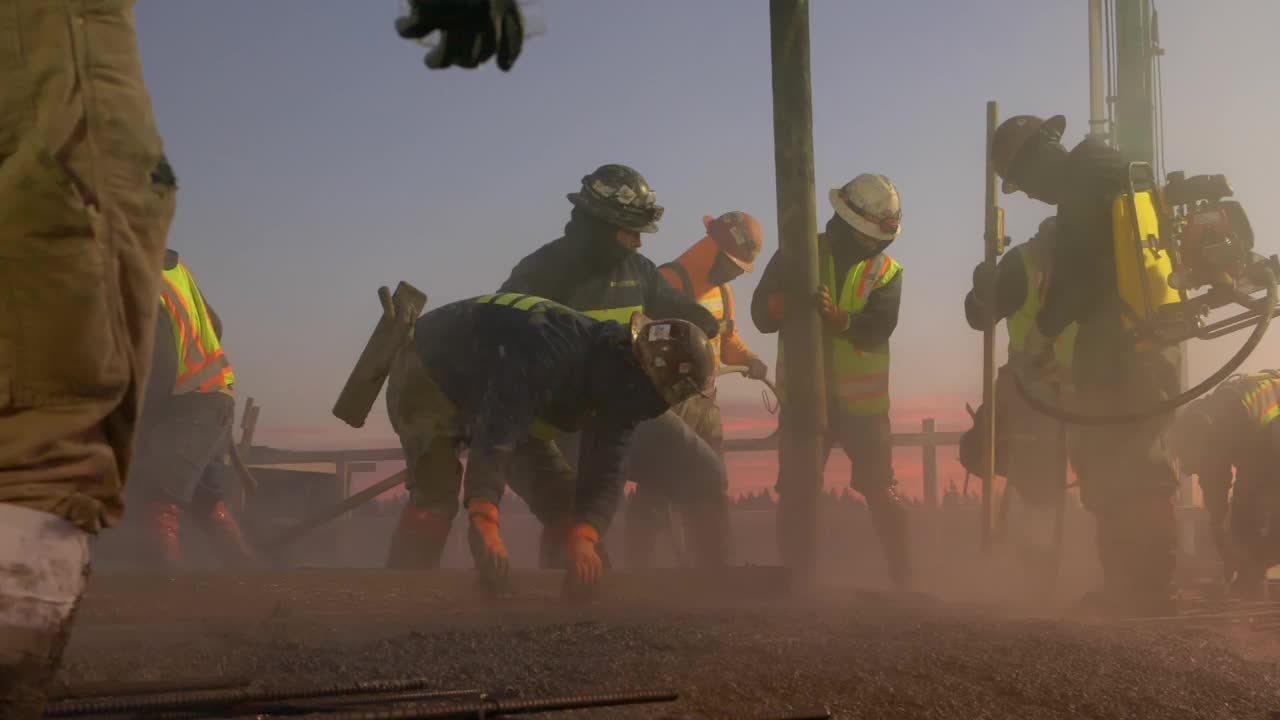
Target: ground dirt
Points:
(737, 648)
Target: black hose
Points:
(1175, 402)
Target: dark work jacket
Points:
(1083, 256)
(562, 272)
(870, 328)
(504, 368)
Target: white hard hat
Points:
(870, 203)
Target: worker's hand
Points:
(778, 306)
(1039, 352)
(837, 319)
(756, 369)
(586, 562)
(487, 549)
(984, 274)
(471, 31)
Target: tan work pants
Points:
(82, 237)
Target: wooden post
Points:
(929, 460)
(804, 422)
(993, 242)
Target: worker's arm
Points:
(872, 327)
(663, 301)
(1011, 290)
(770, 284)
(502, 421)
(164, 369)
(600, 480)
(733, 351)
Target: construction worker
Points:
(597, 269)
(1030, 450)
(505, 374)
(730, 247)
(186, 425)
(858, 300)
(1235, 426)
(1126, 475)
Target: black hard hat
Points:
(620, 196)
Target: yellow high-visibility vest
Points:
(1020, 323)
(1262, 400)
(857, 378)
(202, 365)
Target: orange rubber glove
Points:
(587, 565)
(487, 549)
(777, 306)
(837, 319)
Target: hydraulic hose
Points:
(1175, 402)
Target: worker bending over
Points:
(858, 300)
(505, 374)
(597, 269)
(1236, 426)
(730, 247)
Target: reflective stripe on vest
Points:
(539, 428)
(202, 365)
(859, 379)
(1263, 398)
(620, 315)
(1021, 322)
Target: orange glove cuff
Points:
(483, 512)
(585, 531)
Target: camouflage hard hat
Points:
(676, 356)
(1013, 135)
(620, 196)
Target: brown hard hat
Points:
(739, 236)
(1012, 136)
(676, 356)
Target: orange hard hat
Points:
(1013, 135)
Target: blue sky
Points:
(318, 159)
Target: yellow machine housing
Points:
(1143, 265)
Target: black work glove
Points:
(983, 276)
(756, 369)
(471, 31)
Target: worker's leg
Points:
(426, 423)
(868, 440)
(667, 452)
(544, 480)
(1126, 474)
(82, 228)
(702, 415)
(174, 453)
(1249, 531)
(209, 509)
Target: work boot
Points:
(889, 518)
(1152, 559)
(419, 539)
(162, 527)
(225, 535)
(44, 562)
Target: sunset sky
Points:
(318, 159)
